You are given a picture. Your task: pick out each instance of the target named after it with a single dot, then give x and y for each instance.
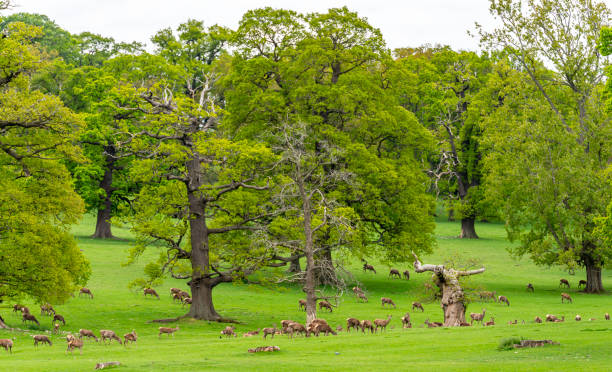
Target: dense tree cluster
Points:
(301, 138)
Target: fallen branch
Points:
(107, 364)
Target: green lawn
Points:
(585, 345)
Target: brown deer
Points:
(56, 328)
(302, 305)
(538, 319)
(7, 344)
(564, 282)
(406, 275)
(352, 323)
(110, 335)
(228, 331)
(184, 294)
(322, 327)
(187, 301)
(325, 304)
(357, 290)
(406, 321)
(581, 283)
(490, 322)
(285, 323)
(487, 295)
(86, 291)
(251, 333)
(387, 300)
(25, 310)
(417, 305)
(362, 297)
(477, 316)
(530, 287)
(563, 319)
(74, 343)
(551, 318)
(150, 291)
(578, 318)
(167, 330)
(27, 317)
(42, 339)
(367, 267)
(268, 331)
(394, 273)
(295, 327)
(566, 297)
(512, 322)
(367, 324)
(176, 297)
(432, 325)
(87, 333)
(59, 318)
(17, 307)
(503, 299)
(130, 337)
(47, 309)
(175, 290)
(607, 316)
(382, 323)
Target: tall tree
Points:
(550, 140)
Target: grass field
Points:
(585, 345)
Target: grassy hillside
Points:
(584, 345)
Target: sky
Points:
(407, 23)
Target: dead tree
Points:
(453, 298)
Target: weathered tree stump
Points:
(453, 298)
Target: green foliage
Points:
(509, 342)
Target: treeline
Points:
(301, 136)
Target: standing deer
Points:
(406, 321)
(130, 337)
(7, 345)
(367, 267)
(530, 287)
(268, 331)
(564, 282)
(387, 300)
(302, 305)
(581, 283)
(325, 304)
(362, 297)
(607, 316)
(110, 335)
(74, 343)
(27, 317)
(352, 323)
(167, 330)
(87, 333)
(367, 324)
(417, 305)
(59, 318)
(477, 316)
(565, 296)
(394, 273)
(42, 339)
(406, 275)
(382, 323)
(86, 291)
(503, 299)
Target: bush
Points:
(508, 343)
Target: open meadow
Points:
(197, 346)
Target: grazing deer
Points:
(352, 323)
(581, 283)
(490, 322)
(59, 318)
(362, 297)
(295, 327)
(25, 310)
(530, 287)
(406, 321)
(130, 337)
(432, 325)
(187, 301)
(302, 304)
(175, 290)
(42, 339)
(367, 267)
(564, 282)
(150, 291)
(578, 318)
(357, 290)
(7, 344)
(268, 331)
(503, 299)
(86, 291)
(538, 319)
(47, 309)
(394, 273)
(607, 316)
(367, 324)
(387, 300)
(486, 295)
(325, 304)
(406, 275)
(74, 343)
(477, 316)
(177, 297)
(228, 331)
(417, 305)
(167, 330)
(87, 333)
(565, 296)
(317, 328)
(27, 317)
(382, 323)
(17, 307)
(110, 335)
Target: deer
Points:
(317, 328)
(228, 331)
(578, 318)
(17, 307)
(567, 297)
(175, 290)
(285, 323)
(477, 316)
(581, 283)
(27, 317)
(367, 267)
(486, 295)
(530, 287)
(325, 304)
(110, 335)
(42, 339)
(187, 301)
(512, 322)
(167, 330)
(362, 297)
(406, 321)
(551, 318)
(47, 309)
(59, 318)
(538, 319)
(417, 305)
(86, 291)
(432, 325)
(56, 327)
(490, 322)
(607, 316)
(268, 331)
(387, 300)
(564, 282)
(25, 310)
(74, 343)
(87, 333)
(183, 295)
(367, 324)
(352, 323)
(130, 337)
(394, 273)
(563, 319)
(406, 275)
(503, 299)
(295, 327)
(382, 323)
(251, 333)
(150, 291)
(7, 345)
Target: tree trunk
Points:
(294, 266)
(467, 229)
(310, 281)
(593, 271)
(202, 304)
(452, 302)
(103, 224)
(451, 215)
